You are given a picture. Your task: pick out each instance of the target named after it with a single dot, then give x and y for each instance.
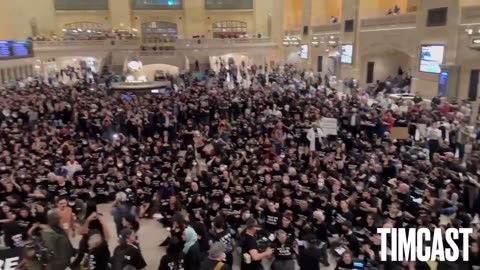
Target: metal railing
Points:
(136, 44)
(326, 28)
(471, 14)
(390, 21)
(206, 42)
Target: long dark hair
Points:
(174, 249)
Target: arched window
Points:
(159, 32)
(229, 29)
(78, 30)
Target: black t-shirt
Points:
(101, 189)
(271, 220)
(343, 266)
(249, 243)
(64, 190)
(134, 257)
(99, 257)
(283, 252)
(169, 262)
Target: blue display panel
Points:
(157, 4)
(229, 4)
(15, 49)
(443, 83)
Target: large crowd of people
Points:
(246, 173)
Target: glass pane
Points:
(229, 4)
(81, 5)
(157, 4)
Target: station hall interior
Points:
(432, 44)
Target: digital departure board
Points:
(15, 49)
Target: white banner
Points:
(329, 126)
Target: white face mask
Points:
(321, 184)
(246, 215)
(227, 200)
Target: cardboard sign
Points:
(399, 133)
(329, 126)
(422, 130)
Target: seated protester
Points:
(169, 210)
(143, 204)
(350, 238)
(101, 190)
(345, 262)
(271, 217)
(367, 255)
(320, 227)
(221, 235)
(98, 256)
(283, 252)
(14, 235)
(394, 215)
(127, 253)
(178, 226)
(216, 258)
(203, 239)
(174, 258)
(195, 206)
(39, 218)
(191, 249)
(25, 221)
(93, 224)
(286, 226)
(78, 206)
(287, 205)
(341, 214)
(309, 257)
(65, 213)
(64, 188)
(302, 215)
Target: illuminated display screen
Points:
(157, 4)
(347, 54)
(15, 49)
(304, 52)
(431, 58)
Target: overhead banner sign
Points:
(10, 258)
(329, 126)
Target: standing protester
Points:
(127, 253)
(251, 256)
(57, 243)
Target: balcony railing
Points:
(136, 44)
(391, 21)
(218, 42)
(471, 14)
(326, 28)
